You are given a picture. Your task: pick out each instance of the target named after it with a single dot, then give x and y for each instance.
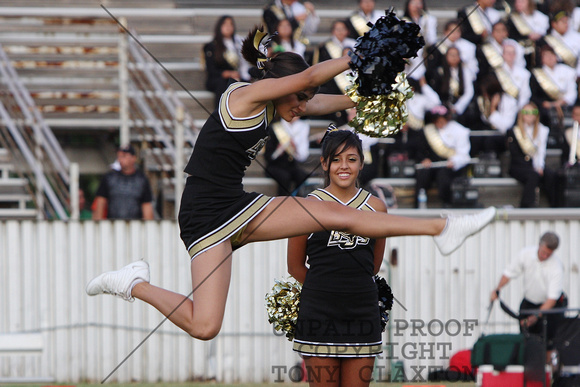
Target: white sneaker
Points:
(120, 282)
(458, 228)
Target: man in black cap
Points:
(124, 193)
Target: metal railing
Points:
(34, 142)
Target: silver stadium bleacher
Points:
(86, 77)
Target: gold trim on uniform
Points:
(506, 82)
(415, 122)
(232, 58)
(436, 142)
(547, 84)
(279, 12)
(475, 20)
(359, 23)
(562, 50)
(232, 229)
(493, 57)
(525, 142)
(454, 87)
(335, 51)
(246, 123)
(284, 138)
(521, 24)
(358, 201)
(443, 47)
(338, 350)
(569, 138)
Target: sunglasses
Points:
(530, 111)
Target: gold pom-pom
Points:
(282, 306)
(381, 115)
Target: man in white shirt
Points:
(543, 274)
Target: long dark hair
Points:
(444, 89)
(218, 39)
(280, 64)
(407, 13)
(334, 143)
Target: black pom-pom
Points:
(385, 299)
(381, 53)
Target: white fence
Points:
(44, 267)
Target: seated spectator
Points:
(286, 149)
(302, 17)
(514, 79)
(574, 17)
(553, 88)
(497, 111)
(284, 40)
(480, 20)
(572, 157)
(333, 48)
(527, 143)
(452, 38)
(564, 41)
(453, 83)
(124, 193)
(366, 13)
(406, 140)
(223, 58)
(490, 53)
(527, 25)
(416, 12)
(443, 140)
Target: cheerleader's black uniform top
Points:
(339, 313)
(214, 205)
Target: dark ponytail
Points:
(279, 65)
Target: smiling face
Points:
(293, 105)
(344, 167)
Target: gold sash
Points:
(521, 24)
(493, 57)
(484, 105)
(568, 134)
(547, 84)
(283, 138)
(506, 82)
(443, 47)
(525, 142)
(335, 51)
(359, 23)
(454, 87)
(475, 20)
(232, 58)
(563, 51)
(436, 142)
(415, 122)
(279, 12)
